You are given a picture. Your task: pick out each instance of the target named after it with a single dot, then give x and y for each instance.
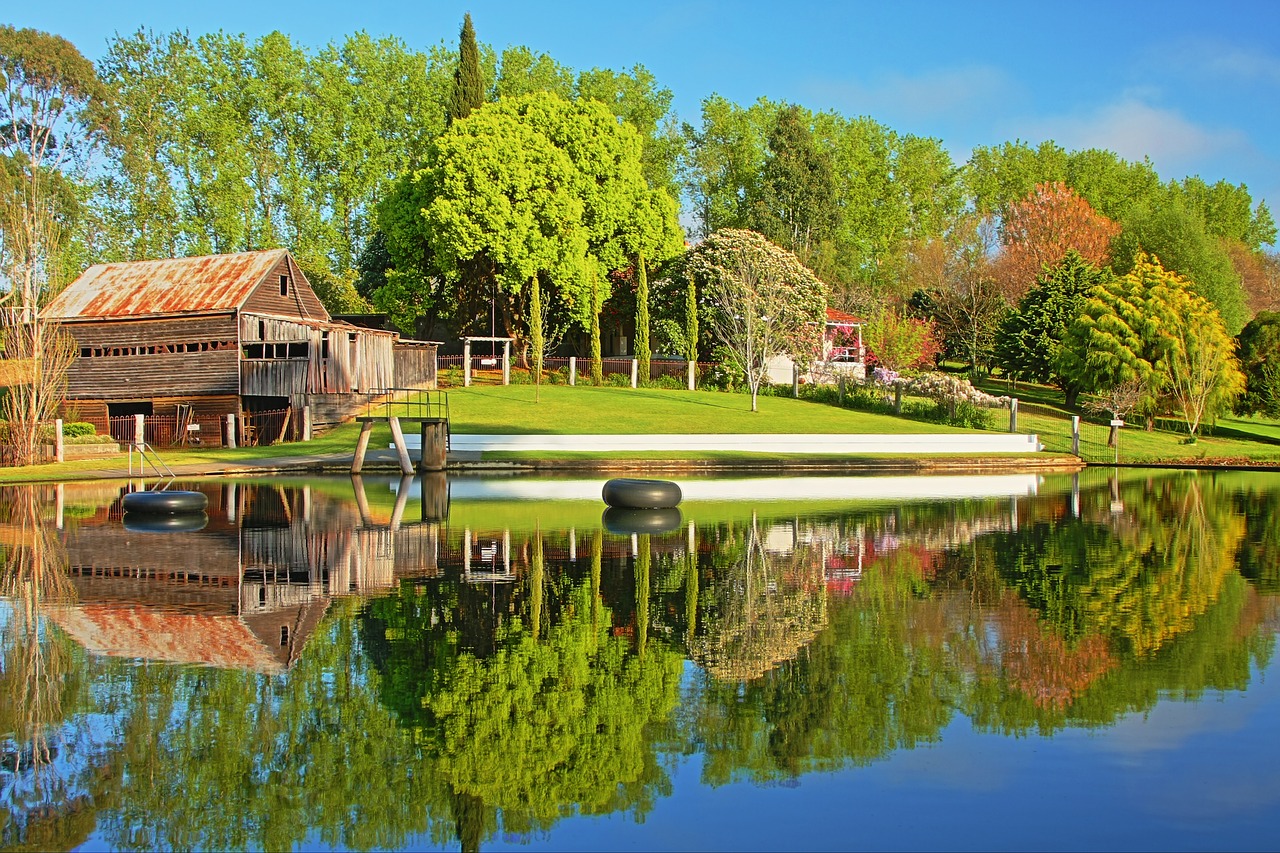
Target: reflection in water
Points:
(373, 664)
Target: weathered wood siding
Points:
(141, 359)
(338, 358)
(300, 301)
(415, 364)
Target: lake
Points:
(965, 663)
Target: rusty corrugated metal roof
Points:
(836, 317)
(171, 286)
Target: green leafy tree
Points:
(228, 144)
(1144, 327)
(958, 291)
(899, 342)
(796, 204)
(888, 189)
(574, 206)
(1176, 233)
(498, 188)
(1258, 346)
(55, 114)
(998, 176)
(1030, 340)
(635, 97)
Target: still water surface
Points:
(1038, 662)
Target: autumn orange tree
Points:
(1038, 231)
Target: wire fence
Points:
(1054, 428)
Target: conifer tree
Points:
(468, 81)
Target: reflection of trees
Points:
(557, 720)
(1138, 578)
(223, 759)
(867, 685)
(449, 710)
(40, 686)
(1259, 556)
(759, 609)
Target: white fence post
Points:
(573, 370)
(59, 452)
(466, 364)
(506, 362)
(140, 430)
(1013, 414)
(635, 373)
(306, 423)
(231, 429)
(1075, 437)
(692, 370)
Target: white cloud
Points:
(1224, 61)
(1135, 129)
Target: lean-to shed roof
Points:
(172, 286)
(836, 317)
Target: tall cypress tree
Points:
(468, 83)
(643, 351)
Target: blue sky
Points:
(1193, 85)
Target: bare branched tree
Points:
(54, 114)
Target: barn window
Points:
(284, 635)
(284, 285)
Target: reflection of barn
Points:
(201, 338)
(247, 591)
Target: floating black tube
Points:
(624, 522)
(164, 502)
(624, 493)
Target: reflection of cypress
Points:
(597, 550)
(644, 561)
(691, 593)
(536, 580)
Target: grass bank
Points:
(585, 409)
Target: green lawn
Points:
(495, 409)
(588, 409)
(1239, 440)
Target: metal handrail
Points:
(156, 463)
(407, 403)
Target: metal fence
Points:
(189, 430)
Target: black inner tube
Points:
(625, 493)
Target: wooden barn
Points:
(192, 340)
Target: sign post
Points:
(1116, 422)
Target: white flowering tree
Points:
(759, 301)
